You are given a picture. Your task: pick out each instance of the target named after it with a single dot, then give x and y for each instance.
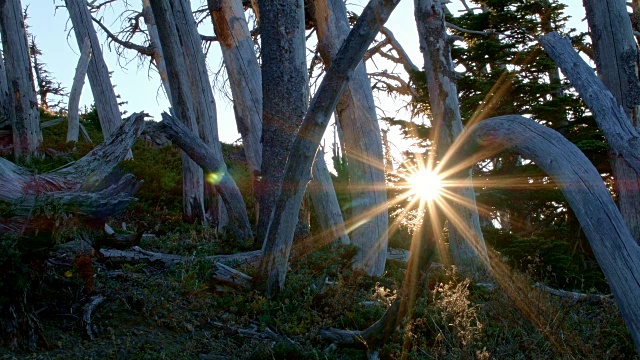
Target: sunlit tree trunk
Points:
(325, 203)
(616, 57)
(356, 112)
(279, 237)
(466, 241)
(22, 106)
(615, 249)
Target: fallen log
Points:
(41, 203)
(575, 296)
(137, 255)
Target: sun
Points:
(426, 184)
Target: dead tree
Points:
(616, 57)
(98, 73)
(73, 116)
(466, 241)
(22, 106)
(39, 202)
(615, 249)
(279, 237)
(356, 112)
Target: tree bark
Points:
(325, 203)
(201, 96)
(279, 237)
(356, 112)
(154, 39)
(73, 116)
(98, 73)
(74, 190)
(217, 172)
(611, 241)
(285, 100)
(466, 241)
(616, 57)
(621, 135)
(23, 111)
(243, 70)
(182, 107)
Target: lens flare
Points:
(425, 184)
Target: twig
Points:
(88, 310)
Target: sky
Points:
(140, 86)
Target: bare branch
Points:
(144, 50)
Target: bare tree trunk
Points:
(204, 104)
(243, 70)
(158, 57)
(616, 57)
(98, 74)
(613, 245)
(23, 111)
(277, 246)
(467, 244)
(203, 155)
(325, 203)
(621, 135)
(357, 117)
(73, 117)
(285, 100)
(181, 102)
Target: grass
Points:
(155, 313)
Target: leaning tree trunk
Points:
(154, 42)
(467, 244)
(616, 57)
(356, 112)
(621, 135)
(297, 169)
(243, 70)
(73, 116)
(23, 112)
(201, 95)
(615, 249)
(204, 156)
(285, 100)
(181, 102)
(98, 73)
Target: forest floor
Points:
(147, 310)
(153, 312)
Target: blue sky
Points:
(140, 86)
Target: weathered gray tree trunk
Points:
(616, 57)
(23, 112)
(201, 96)
(325, 203)
(284, 99)
(73, 116)
(613, 245)
(466, 241)
(621, 135)
(279, 237)
(98, 73)
(73, 190)
(182, 107)
(204, 156)
(243, 70)
(154, 39)
(356, 112)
